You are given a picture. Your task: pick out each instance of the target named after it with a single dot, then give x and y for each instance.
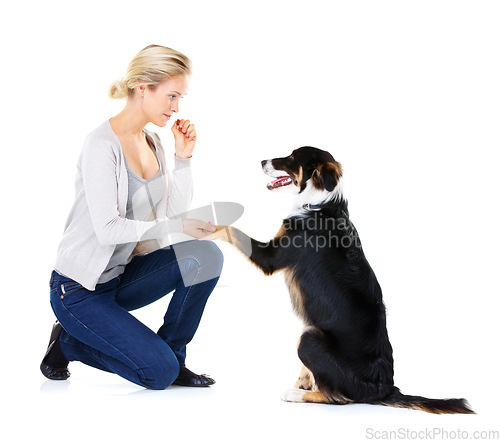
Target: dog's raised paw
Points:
(293, 395)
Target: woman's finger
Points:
(185, 126)
(191, 132)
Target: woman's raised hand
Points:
(185, 138)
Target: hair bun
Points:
(118, 90)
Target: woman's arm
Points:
(181, 183)
(180, 188)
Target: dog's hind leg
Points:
(334, 376)
(313, 353)
(334, 380)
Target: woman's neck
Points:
(129, 122)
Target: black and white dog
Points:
(345, 348)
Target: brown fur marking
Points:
(314, 397)
(295, 293)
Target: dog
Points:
(345, 349)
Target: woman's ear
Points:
(141, 89)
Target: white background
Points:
(405, 94)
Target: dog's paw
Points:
(304, 382)
(293, 395)
(221, 233)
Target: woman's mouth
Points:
(167, 116)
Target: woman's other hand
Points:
(197, 228)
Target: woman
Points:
(111, 260)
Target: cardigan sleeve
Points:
(180, 188)
(98, 163)
(179, 183)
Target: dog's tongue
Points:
(280, 181)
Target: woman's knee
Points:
(210, 255)
(161, 372)
(203, 258)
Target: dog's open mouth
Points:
(279, 182)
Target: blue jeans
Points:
(100, 332)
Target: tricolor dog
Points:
(344, 348)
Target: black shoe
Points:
(188, 378)
(54, 365)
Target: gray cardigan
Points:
(97, 223)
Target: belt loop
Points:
(52, 277)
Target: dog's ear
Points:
(327, 175)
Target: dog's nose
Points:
(263, 162)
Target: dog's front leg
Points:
(263, 255)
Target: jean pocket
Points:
(69, 287)
(62, 288)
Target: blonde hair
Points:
(151, 66)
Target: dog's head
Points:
(305, 168)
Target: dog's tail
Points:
(434, 406)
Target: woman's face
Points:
(159, 104)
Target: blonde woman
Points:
(111, 260)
